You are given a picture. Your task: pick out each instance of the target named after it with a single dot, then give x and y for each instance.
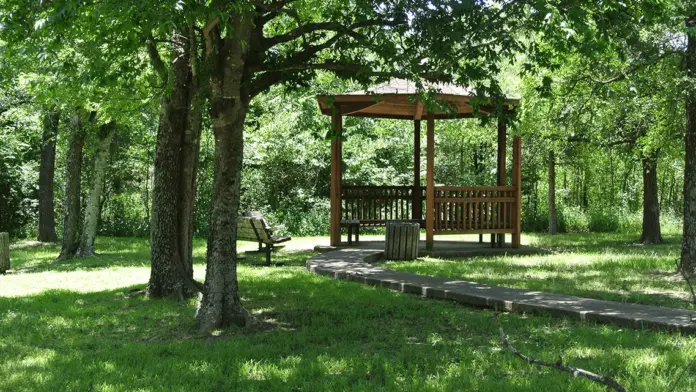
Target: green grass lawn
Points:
(72, 327)
(598, 265)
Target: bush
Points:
(602, 220)
(572, 220)
(300, 221)
(124, 216)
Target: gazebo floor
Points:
(444, 248)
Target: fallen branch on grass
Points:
(598, 378)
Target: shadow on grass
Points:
(329, 335)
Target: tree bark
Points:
(688, 251)
(553, 222)
(651, 205)
(221, 305)
(174, 190)
(93, 209)
(47, 223)
(73, 174)
(4, 253)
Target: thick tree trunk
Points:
(4, 253)
(688, 251)
(553, 222)
(73, 174)
(174, 191)
(221, 305)
(47, 224)
(651, 205)
(93, 209)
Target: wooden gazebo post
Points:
(336, 178)
(501, 170)
(417, 206)
(430, 186)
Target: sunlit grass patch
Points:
(604, 266)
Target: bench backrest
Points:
(252, 228)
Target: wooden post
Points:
(502, 170)
(336, 158)
(417, 207)
(4, 252)
(517, 183)
(430, 186)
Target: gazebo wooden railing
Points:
(474, 210)
(457, 209)
(374, 205)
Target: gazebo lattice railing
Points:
(447, 209)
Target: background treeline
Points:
(600, 135)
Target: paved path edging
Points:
(354, 265)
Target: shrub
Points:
(602, 220)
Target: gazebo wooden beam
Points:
(336, 179)
(430, 187)
(502, 170)
(419, 112)
(417, 206)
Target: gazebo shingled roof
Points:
(398, 99)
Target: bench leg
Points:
(350, 235)
(268, 255)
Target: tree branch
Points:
(328, 26)
(156, 60)
(608, 382)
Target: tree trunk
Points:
(4, 253)
(47, 224)
(221, 305)
(73, 174)
(174, 190)
(93, 209)
(651, 205)
(688, 251)
(553, 225)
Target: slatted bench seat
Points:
(255, 229)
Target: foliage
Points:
(20, 140)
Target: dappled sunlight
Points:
(82, 281)
(79, 329)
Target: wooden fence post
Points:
(4, 252)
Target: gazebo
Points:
(491, 210)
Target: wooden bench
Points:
(252, 227)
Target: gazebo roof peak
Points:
(399, 99)
(408, 87)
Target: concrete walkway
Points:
(354, 265)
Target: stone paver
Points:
(354, 265)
